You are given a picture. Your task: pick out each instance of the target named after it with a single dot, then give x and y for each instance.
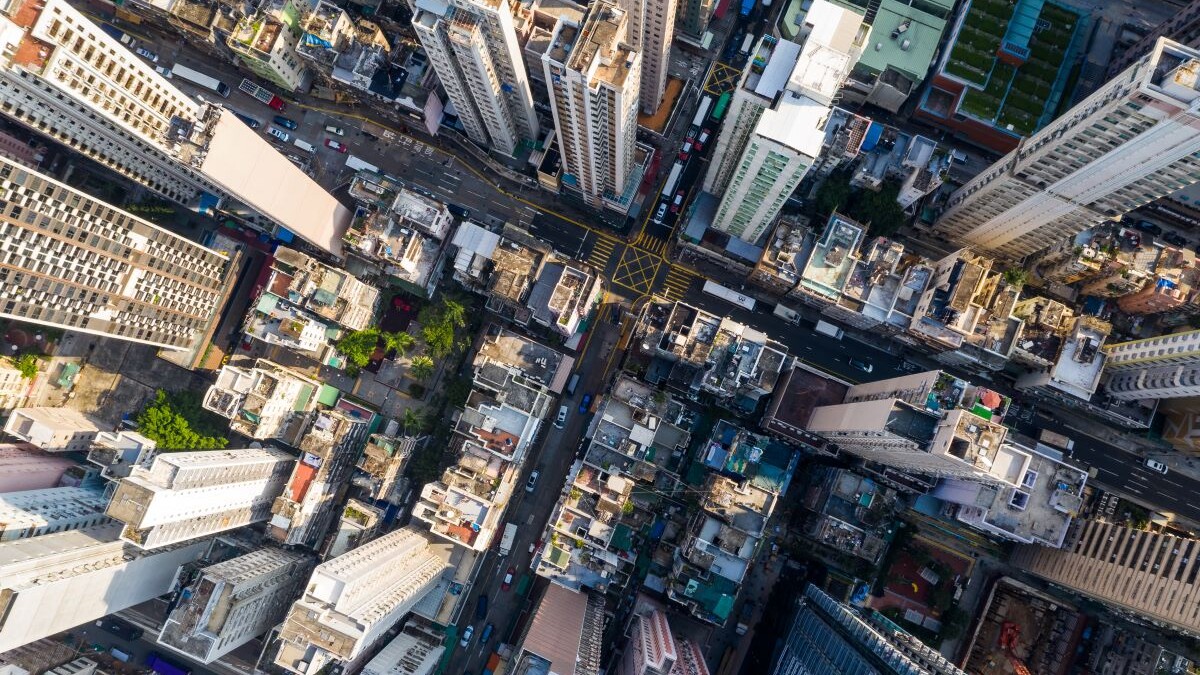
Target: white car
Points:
(336, 131)
(146, 54)
(1156, 465)
(561, 420)
(165, 72)
(278, 133)
(532, 484)
(467, 635)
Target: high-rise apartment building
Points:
(185, 495)
(70, 261)
(58, 581)
(473, 47)
(1149, 574)
(594, 76)
(266, 401)
(1133, 141)
(351, 601)
(653, 650)
(32, 513)
(65, 78)
(829, 638)
(52, 429)
(1183, 27)
(1167, 366)
(24, 467)
(776, 123)
(234, 601)
(266, 42)
(651, 26)
(693, 17)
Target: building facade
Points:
(88, 267)
(52, 429)
(36, 512)
(651, 28)
(266, 42)
(1133, 141)
(185, 495)
(24, 467)
(1167, 366)
(473, 46)
(594, 77)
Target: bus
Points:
(702, 111)
(722, 103)
(200, 79)
(729, 295)
(672, 180)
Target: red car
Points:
(508, 577)
(330, 143)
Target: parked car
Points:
(864, 366)
(285, 122)
(1147, 226)
(146, 54)
(336, 131)
(481, 607)
(165, 72)
(561, 420)
(531, 484)
(278, 133)
(248, 120)
(487, 633)
(330, 143)
(1174, 238)
(691, 133)
(677, 202)
(585, 404)
(1156, 465)
(467, 635)
(702, 140)
(660, 214)
(508, 578)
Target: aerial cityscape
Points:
(599, 337)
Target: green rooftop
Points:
(1021, 92)
(922, 36)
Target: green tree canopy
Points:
(164, 421)
(422, 367)
(359, 346)
(439, 339)
(27, 364)
(400, 342)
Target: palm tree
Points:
(401, 342)
(421, 368)
(413, 420)
(454, 313)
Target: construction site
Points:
(1021, 631)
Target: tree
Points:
(1015, 276)
(399, 342)
(164, 422)
(359, 346)
(413, 420)
(422, 367)
(27, 364)
(453, 313)
(439, 338)
(833, 193)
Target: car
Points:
(487, 633)
(561, 420)
(278, 133)
(165, 72)
(691, 133)
(660, 214)
(481, 606)
(683, 156)
(1156, 465)
(864, 366)
(702, 140)
(508, 577)
(531, 484)
(285, 122)
(467, 635)
(248, 120)
(585, 403)
(1174, 238)
(677, 203)
(146, 54)
(457, 211)
(1147, 226)
(330, 143)
(336, 131)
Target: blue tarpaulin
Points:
(872, 137)
(284, 235)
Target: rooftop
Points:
(802, 391)
(1081, 361)
(797, 122)
(904, 37)
(829, 266)
(533, 360)
(600, 48)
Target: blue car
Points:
(285, 122)
(250, 121)
(585, 404)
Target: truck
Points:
(119, 654)
(729, 295)
(164, 666)
(493, 664)
(747, 44)
(1056, 440)
(506, 541)
(787, 314)
(702, 111)
(672, 180)
(200, 79)
(826, 328)
(118, 35)
(262, 94)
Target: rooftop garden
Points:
(1001, 93)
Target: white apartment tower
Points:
(594, 78)
(1133, 141)
(473, 47)
(31, 513)
(73, 262)
(185, 495)
(58, 581)
(67, 79)
(651, 27)
(353, 600)
(235, 601)
(1167, 366)
(53, 429)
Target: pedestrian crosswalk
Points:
(677, 283)
(601, 253)
(651, 244)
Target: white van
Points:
(304, 145)
(826, 328)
